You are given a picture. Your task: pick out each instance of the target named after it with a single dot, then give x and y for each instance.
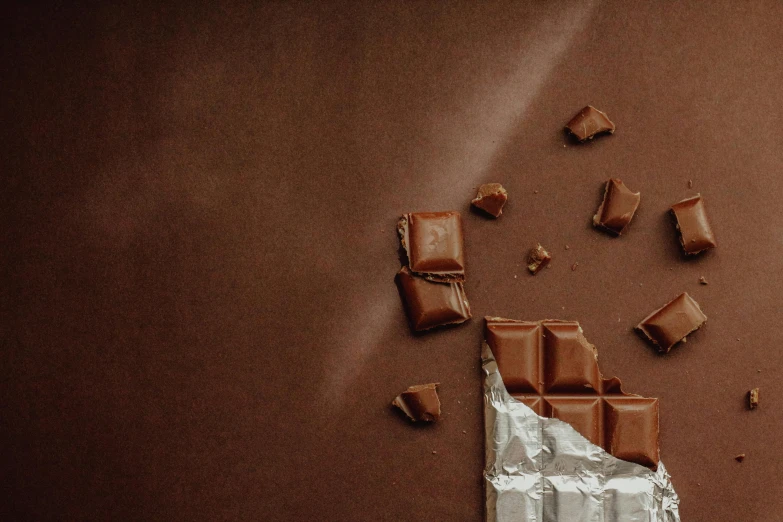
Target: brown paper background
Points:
(199, 320)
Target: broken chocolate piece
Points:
(617, 208)
(753, 398)
(703, 281)
(550, 367)
(695, 232)
(537, 259)
(740, 457)
(670, 324)
(433, 243)
(420, 402)
(490, 198)
(431, 304)
(588, 123)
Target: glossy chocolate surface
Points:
(694, 228)
(553, 369)
(419, 402)
(617, 208)
(433, 242)
(588, 123)
(430, 304)
(672, 322)
(491, 198)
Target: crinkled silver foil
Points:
(542, 470)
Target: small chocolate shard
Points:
(703, 281)
(740, 457)
(753, 398)
(588, 123)
(671, 323)
(618, 207)
(573, 267)
(690, 183)
(537, 259)
(694, 228)
(490, 198)
(420, 402)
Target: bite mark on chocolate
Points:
(490, 198)
(693, 226)
(537, 259)
(588, 123)
(753, 398)
(617, 208)
(420, 402)
(672, 322)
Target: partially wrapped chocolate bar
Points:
(562, 442)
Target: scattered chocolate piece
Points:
(573, 267)
(420, 402)
(690, 183)
(430, 304)
(566, 247)
(617, 208)
(695, 232)
(537, 259)
(703, 281)
(588, 123)
(753, 398)
(670, 324)
(550, 367)
(433, 243)
(490, 198)
(740, 457)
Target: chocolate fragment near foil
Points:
(588, 123)
(753, 398)
(617, 208)
(551, 368)
(431, 304)
(670, 324)
(537, 259)
(490, 198)
(420, 402)
(433, 243)
(695, 231)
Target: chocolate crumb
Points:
(740, 457)
(463, 431)
(535, 192)
(434, 452)
(703, 281)
(573, 267)
(566, 247)
(537, 259)
(753, 398)
(690, 183)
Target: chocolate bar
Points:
(671, 323)
(588, 123)
(695, 231)
(420, 402)
(537, 259)
(617, 208)
(550, 367)
(430, 304)
(433, 243)
(490, 198)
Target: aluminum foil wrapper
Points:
(540, 469)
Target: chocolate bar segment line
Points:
(433, 243)
(672, 322)
(550, 367)
(430, 304)
(693, 226)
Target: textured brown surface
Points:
(199, 315)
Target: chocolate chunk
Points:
(670, 324)
(420, 402)
(695, 232)
(740, 457)
(433, 243)
(490, 198)
(537, 259)
(430, 304)
(550, 367)
(588, 123)
(753, 398)
(617, 208)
